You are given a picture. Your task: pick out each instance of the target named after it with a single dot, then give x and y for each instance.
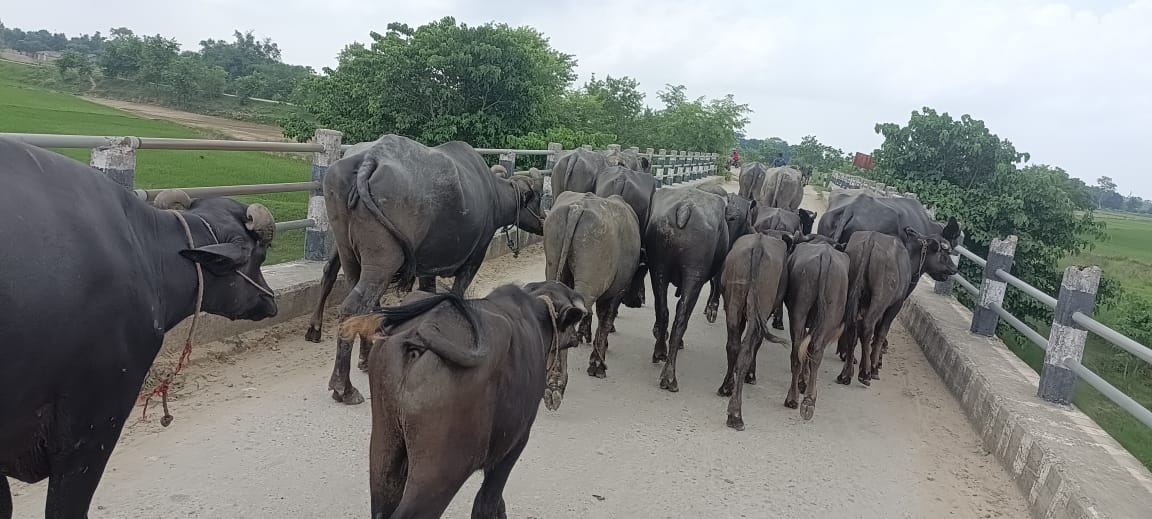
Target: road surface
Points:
(256, 436)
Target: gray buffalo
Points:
(776, 219)
(753, 283)
(401, 210)
(877, 276)
(782, 187)
(91, 278)
(456, 385)
(686, 242)
(577, 170)
(751, 179)
(739, 213)
(852, 211)
(628, 159)
(636, 188)
(592, 244)
(816, 295)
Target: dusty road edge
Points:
(1065, 464)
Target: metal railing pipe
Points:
(1032, 291)
(251, 189)
(1113, 336)
(1125, 402)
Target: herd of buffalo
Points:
(91, 278)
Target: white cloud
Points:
(1070, 82)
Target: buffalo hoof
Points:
(750, 378)
(553, 398)
(865, 379)
(791, 404)
(841, 379)
(659, 357)
(597, 371)
(670, 385)
(801, 386)
(876, 375)
(350, 397)
(736, 422)
(710, 314)
(725, 389)
(806, 410)
(312, 335)
(362, 365)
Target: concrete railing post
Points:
(117, 160)
(317, 237)
(945, 287)
(508, 161)
(992, 289)
(660, 166)
(651, 163)
(681, 166)
(613, 147)
(1066, 340)
(554, 151)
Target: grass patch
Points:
(27, 109)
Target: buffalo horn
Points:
(261, 223)
(173, 199)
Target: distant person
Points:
(779, 160)
(735, 158)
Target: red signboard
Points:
(863, 161)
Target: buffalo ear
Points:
(571, 315)
(952, 230)
(218, 258)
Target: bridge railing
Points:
(1071, 314)
(116, 158)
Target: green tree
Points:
(820, 156)
(439, 82)
(73, 61)
(241, 56)
(157, 53)
(193, 80)
(698, 125)
(963, 170)
(122, 54)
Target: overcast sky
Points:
(1070, 82)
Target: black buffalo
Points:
(877, 276)
(851, 211)
(686, 241)
(753, 284)
(92, 278)
(816, 295)
(401, 210)
(592, 244)
(739, 213)
(456, 385)
(776, 219)
(628, 159)
(577, 171)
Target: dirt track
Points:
(256, 435)
(239, 130)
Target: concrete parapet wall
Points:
(1065, 464)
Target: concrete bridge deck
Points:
(256, 435)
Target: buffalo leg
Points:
(467, 272)
(489, 502)
(363, 298)
(881, 339)
(684, 309)
(388, 467)
(76, 467)
(431, 483)
(5, 499)
(597, 361)
(736, 402)
(846, 347)
(584, 332)
(660, 328)
(750, 374)
(778, 319)
(815, 357)
(713, 304)
(866, 338)
(327, 281)
(735, 320)
(427, 284)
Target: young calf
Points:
(456, 385)
(752, 284)
(816, 294)
(592, 244)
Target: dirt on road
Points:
(256, 435)
(238, 130)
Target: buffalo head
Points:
(530, 214)
(931, 255)
(232, 242)
(565, 309)
(807, 218)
